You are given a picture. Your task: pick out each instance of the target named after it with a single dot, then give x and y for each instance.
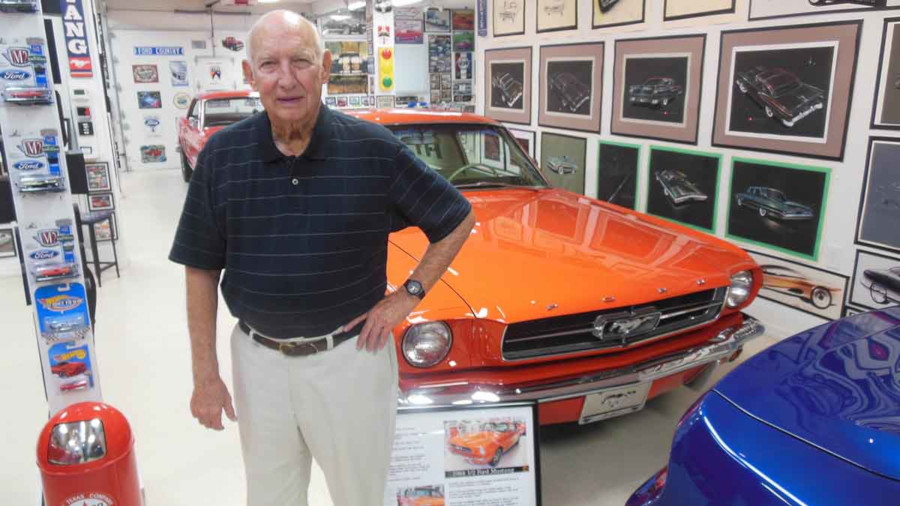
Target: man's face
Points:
(286, 73)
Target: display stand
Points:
(41, 193)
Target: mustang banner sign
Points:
(76, 39)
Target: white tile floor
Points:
(144, 360)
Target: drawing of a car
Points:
(678, 188)
(887, 195)
(771, 202)
(780, 93)
(562, 165)
(510, 89)
(67, 369)
(28, 95)
(555, 7)
(18, 5)
(883, 284)
(782, 279)
(487, 445)
(572, 92)
(656, 91)
(509, 10)
(606, 5)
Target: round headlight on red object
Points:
(426, 344)
(740, 289)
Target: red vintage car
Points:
(487, 445)
(68, 369)
(207, 114)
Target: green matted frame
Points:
(827, 171)
(692, 152)
(637, 170)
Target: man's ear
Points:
(326, 65)
(248, 73)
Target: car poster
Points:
(763, 9)
(437, 20)
(97, 177)
(563, 161)
(880, 200)
(145, 73)
(571, 84)
(509, 17)
(617, 173)
(683, 186)
(779, 206)
(347, 25)
(802, 287)
(463, 19)
(553, 15)
(178, 73)
(681, 9)
(609, 13)
(408, 31)
(149, 100)
(155, 153)
(508, 84)
(886, 113)
(106, 230)
(7, 243)
(449, 456)
(876, 281)
(463, 41)
(101, 202)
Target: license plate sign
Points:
(615, 402)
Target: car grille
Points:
(462, 449)
(575, 333)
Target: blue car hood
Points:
(836, 387)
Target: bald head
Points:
(283, 19)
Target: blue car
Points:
(812, 420)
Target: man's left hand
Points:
(382, 318)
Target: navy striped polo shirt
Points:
(303, 240)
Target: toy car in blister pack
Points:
(67, 240)
(23, 75)
(23, 6)
(70, 364)
(53, 272)
(62, 311)
(41, 184)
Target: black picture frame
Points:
(590, 122)
(113, 228)
(537, 19)
(609, 189)
(595, 26)
(495, 10)
(838, 303)
(660, 202)
(881, 71)
(92, 206)
(864, 198)
(103, 170)
(730, 10)
(851, 298)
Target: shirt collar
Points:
(317, 148)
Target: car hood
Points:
(532, 252)
(474, 440)
(797, 207)
(836, 387)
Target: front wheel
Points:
(497, 456)
(879, 293)
(186, 170)
(821, 297)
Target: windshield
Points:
(470, 156)
(225, 111)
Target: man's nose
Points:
(286, 78)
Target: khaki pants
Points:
(337, 406)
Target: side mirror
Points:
(193, 122)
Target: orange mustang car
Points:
(584, 307)
(488, 445)
(421, 496)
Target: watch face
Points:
(413, 287)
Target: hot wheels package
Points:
(62, 312)
(70, 364)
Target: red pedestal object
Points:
(86, 457)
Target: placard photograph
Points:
(886, 111)
(809, 289)
(554, 15)
(767, 9)
(779, 206)
(683, 186)
(617, 173)
(509, 17)
(480, 443)
(563, 160)
(876, 281)
(610, 13)
(508, 84)
(786, 90)
(657, 88)
(681, 9)
(571, 79)
(880, 201)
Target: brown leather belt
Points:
(300, 348)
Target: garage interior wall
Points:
(838, 249)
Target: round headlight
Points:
(739, 291)
(426, 344)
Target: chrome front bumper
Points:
(716, 349)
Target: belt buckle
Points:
(295, 349)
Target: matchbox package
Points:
(62, 311)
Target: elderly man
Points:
(295, 204)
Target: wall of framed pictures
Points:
(781, 119)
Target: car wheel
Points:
(497, 456)
(186, 170)
(879, 293)
(762, 212)
(821, 297)
(742, 87)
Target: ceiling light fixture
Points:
(340, 17)
(355, 6)
(404, 3)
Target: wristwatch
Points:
(414, 288)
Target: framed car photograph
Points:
(509, 17)
(876, 281)
(101, 202)
(349, 25)
(463, 41)
(611, 13)
(507, 85)
(805, 288)
(617, 173)
(489, 450)
(879, 206)
(525, 138)
(776, 205)
(682, 9)
(886, 110)
(97, 177)
(7, 242)
(555, 15)
(683, 186)
(571, 78)
(463, 19)
(563, 160)
(786, 90)
(656, 88)
(107, 230)
(768, 9)
(437, 20)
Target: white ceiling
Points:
(172, 5)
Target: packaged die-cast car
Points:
(44, 183)
(27, 95)
(18, 5)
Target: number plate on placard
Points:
(615, 402)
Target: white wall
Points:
(837, 243)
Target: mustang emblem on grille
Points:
(613, 327)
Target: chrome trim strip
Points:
(716, 349)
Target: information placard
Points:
(467, 456)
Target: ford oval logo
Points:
(151, 122)
(44, 254)
(14, 75)
(28, 165)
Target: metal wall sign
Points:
(76, 39)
